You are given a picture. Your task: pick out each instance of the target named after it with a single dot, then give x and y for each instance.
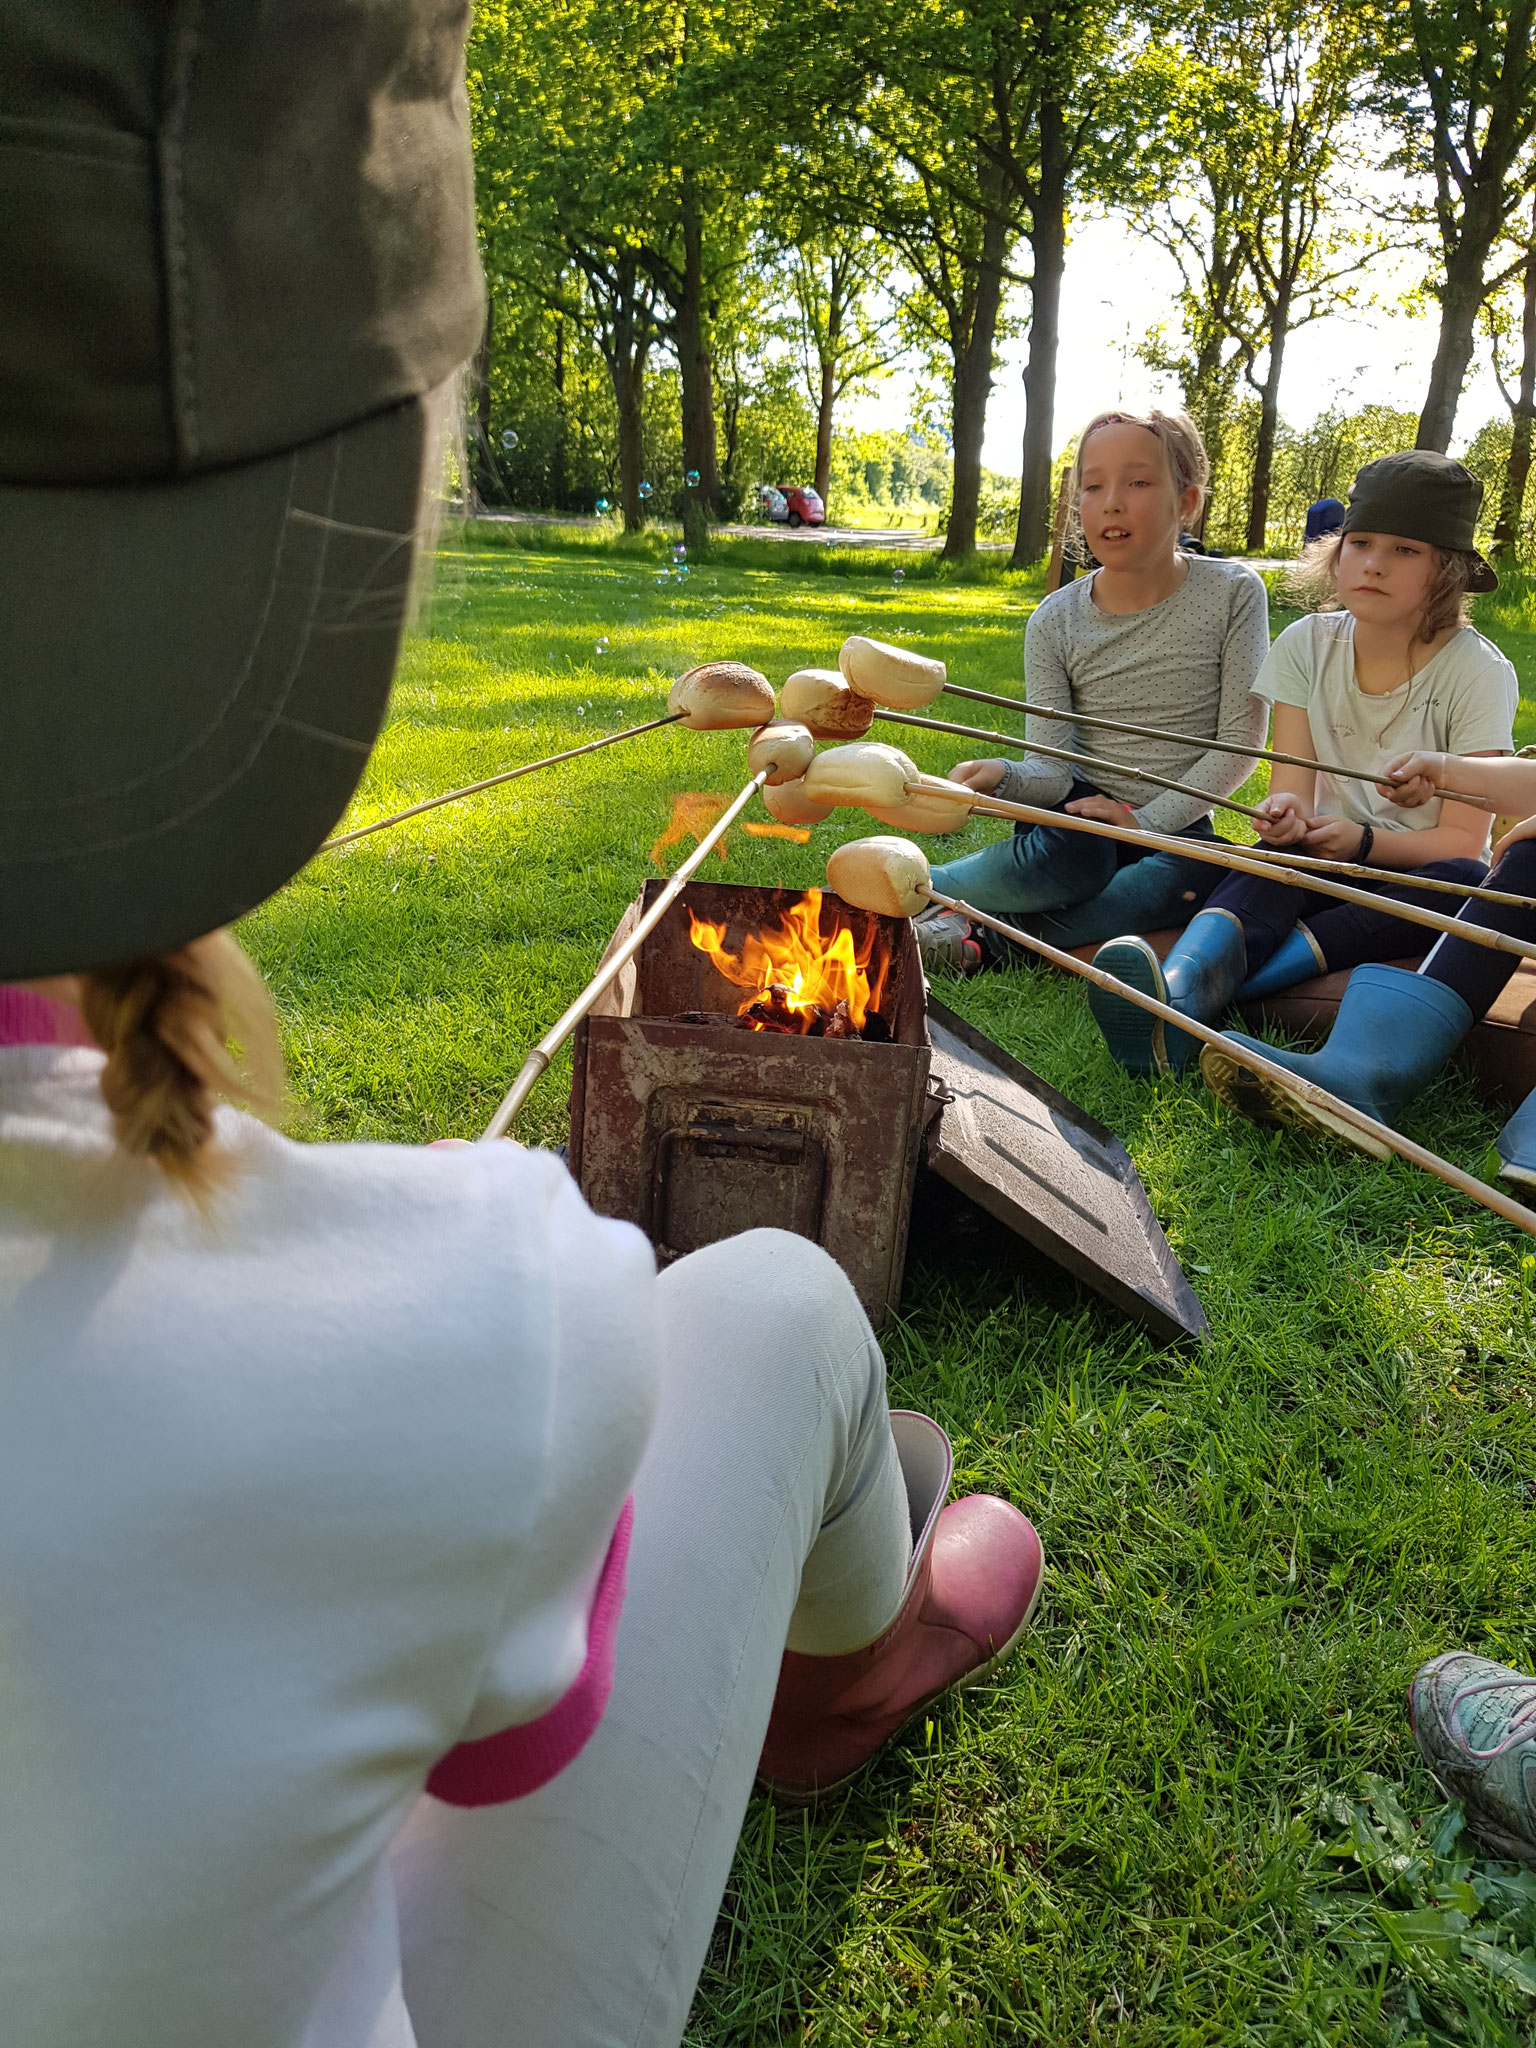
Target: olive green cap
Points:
(239, 254)
(1422, 496)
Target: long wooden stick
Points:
(541, 1055)
(1231, 857)
(1308, 1091)
(1430, 883)
(975, 732)
(452, 796)
(1185, 739)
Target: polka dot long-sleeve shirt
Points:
(1188, 664)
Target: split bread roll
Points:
(885, 875)
(892, 676)
(788, 803)
(722, 696)
(784, 749)
(867, 773)
(821, 700)
(925, 811)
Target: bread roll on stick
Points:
(789, 804)
(867, 773)
(784, 749)
(822, 701)
(893, 676)
(722, 696)
(925, 812)
(885, 875)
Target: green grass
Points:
(1190, 1812)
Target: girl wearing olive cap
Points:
(1389, 664)
(323, 1467)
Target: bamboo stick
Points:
(1185, 739)
(452, 796)
(539, 1058)
(1334, 1106)
(1230, 857)
(1430, 883)
(975, 732)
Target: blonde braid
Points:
(164, 1022)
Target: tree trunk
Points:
(626, 366)
(972, 389)
(695, 372)
(557, 484)
(1269, 421)
(1048, 242)
(480, 462)
(1461, 299)
(824, 431)
(1506, 531)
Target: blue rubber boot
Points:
(1294, 959)
(1393, 1034)
(1199, 979)
(1516, 1145)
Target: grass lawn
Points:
(1190, 1812)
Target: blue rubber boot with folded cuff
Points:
(1516, 1145)
(1393, 1034)
(1295, 959)
(1199, 978)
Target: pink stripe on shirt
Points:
(517, 1761)
(28, 1019)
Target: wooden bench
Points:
(1501, 1050)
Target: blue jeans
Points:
(1075, 889)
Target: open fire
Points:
(800, 980)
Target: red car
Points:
(794, 505)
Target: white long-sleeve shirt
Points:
(295, 1503)
(1187, 664)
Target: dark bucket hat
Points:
(239, 256)
(1422, 496)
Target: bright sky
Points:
(1119, 284)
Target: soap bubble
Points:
(899, 578)
(681, 572)
(680, 553)
(645, 490)
(601, 507)
(602, 645)
(693, 477)
(509, 439)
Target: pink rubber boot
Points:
(971, 1590)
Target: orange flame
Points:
(817, 972)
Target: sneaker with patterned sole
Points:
(1475, 1724)
(946, 939)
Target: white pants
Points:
(770, 1508)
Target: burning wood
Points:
(801, 981)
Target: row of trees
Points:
(722, 215)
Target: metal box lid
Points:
(1030, 1157)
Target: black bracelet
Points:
(1367, 841)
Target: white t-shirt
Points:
(293, 1500)
(1463, 701)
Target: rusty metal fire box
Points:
(696, 1130)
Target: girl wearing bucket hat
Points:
(322, 1468)
(1389, 664)
(1396, 1030)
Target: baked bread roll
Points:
(784, 749)
(824, 702)
(789, 804)
(923, 811)
(893, 676)
(885, 875)
(722, 696)
(868, 772)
